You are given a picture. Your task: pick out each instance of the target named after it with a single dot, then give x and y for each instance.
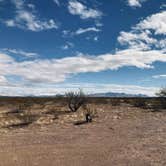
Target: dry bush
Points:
(162, 92)
(75, 100)
(27, 118)
(139, 102)
(158, 104)
(115, 102)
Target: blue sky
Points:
(53, 46)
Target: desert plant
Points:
(75, 100)
(115, 102)
(162, 99)
(27, 118)
(162, 92)
(139, 102)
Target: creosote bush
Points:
(75, 100)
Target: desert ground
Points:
(42, 132)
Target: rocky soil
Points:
(45, 135)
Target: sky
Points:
(54, 46)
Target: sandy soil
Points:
(118, 136)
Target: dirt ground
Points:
(118, 136)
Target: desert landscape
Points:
(82, 83)
(43, 131)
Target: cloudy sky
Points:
(49, 47)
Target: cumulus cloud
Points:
(57, 70)
(135, 3)
(144, 36)
(25, 19)
(141, 51)
(77, 8)
(155, 22)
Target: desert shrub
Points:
(27, 118)
(75, 100)
(139, 102)
(161, 93)
(115, 102)
(158, 104)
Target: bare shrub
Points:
(27, 118)
(162, 92)
(75, 100)
(139, 102)
(115, 102)
(161, 104)
(158, 104)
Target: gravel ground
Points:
(119, 136)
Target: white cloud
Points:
(67, 46)
(87, 88)
(21, 52)
(136, 40)
(135, 3)
(144, 36)
(57, 2)
(3, 81)
(58, 70)
(77, 8)
(141, 52)
(96, 38)
(31, 6)
(163, 6)
(5, 59)
(67, 33)
(156, 22)
(159, 76)
(91, 29)
(25, 19)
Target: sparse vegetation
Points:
(139, 102)
(161, 103)
(162, 92)
(115, 102)
(75, 100)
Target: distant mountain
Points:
(107, 94)
(112, 94)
